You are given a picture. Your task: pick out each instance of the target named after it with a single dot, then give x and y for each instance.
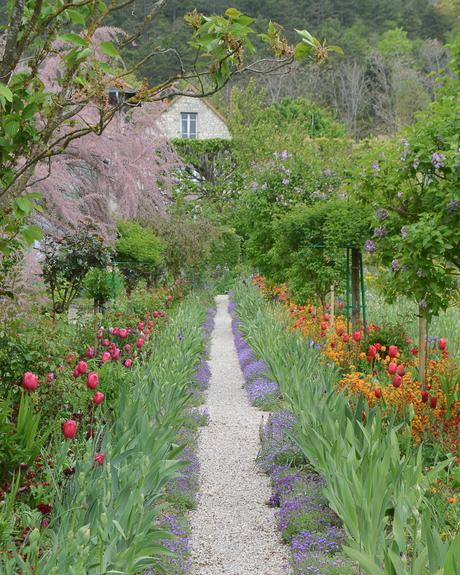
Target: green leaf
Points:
(24, 205)
(73, 39)
(77, 17)
(11, 127)
(109, 49)
(31, 234)
(6, 92)
(302, 51)
(233, 13)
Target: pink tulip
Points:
(82, 367)
(90, 352)
(105, 356)
(76, 372)
(128, 362)
(30, 381)
(105, 342)
(393, 350)
(69, 429)
(372, 351)
(442, 343)
(99, 458)
(392, 368)
(140, 325)
(116, 330)
(92, 380)
(50, 377)
(345, 338)
(150, 324)
(127, 347)
(116, 354)
(100, 333)
(155, 314)
(401, 370)
(123, 333)
(397, 381)
(98, 398)
(140, 343)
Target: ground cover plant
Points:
(392, 499)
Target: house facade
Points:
(193, 118)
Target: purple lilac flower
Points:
(437, 159)
(202, 375)
(381, 214)
(285, 182)
(284, 155)
(404, 232)
(452, 206)
(376, 166)
(260, 389)
(246, 356)
(371, 246)
(395, 265)
(380, 232)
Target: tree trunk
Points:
(422, 347)
(355, 291)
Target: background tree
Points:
(139, 254)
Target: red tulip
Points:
(105, 356)
(397, 381)
(392, 368)
(170, 297)
(425, 396)
(150, 324)
(99, 458)
(92, 380)
(326, 317)
(123, 333)
(50, 377)
(372, 351)
(76, 372)
(323, 325)
(140, 325)
(98, 397)
(357, 336)
(69, 429)
(433, 402)
(82, 367)
(340, 331)
(378, 393)
(442, 343)
(401, 370)
(100, 333)
(30, 381)
(140, 343)
(105, 342)
(393, 350)
(155, 314)
(345, 337)
(127, 347)
(115, 330)
(116, 354)
(128, 362)
(414, 351)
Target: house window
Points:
(189, 125)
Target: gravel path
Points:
(233, 530)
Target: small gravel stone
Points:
(233, 529)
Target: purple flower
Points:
(260, 389)
(327, 172)
(376, 166)
(371, 246)
(381, 214)
(285, 182)
(396, 266)
(380, 232)
(437, 159)
(255, 369)
(452, 206)
(284, 155)
(404, 232)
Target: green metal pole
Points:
(348, 289)
(363, 290)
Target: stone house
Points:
(194, 118)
